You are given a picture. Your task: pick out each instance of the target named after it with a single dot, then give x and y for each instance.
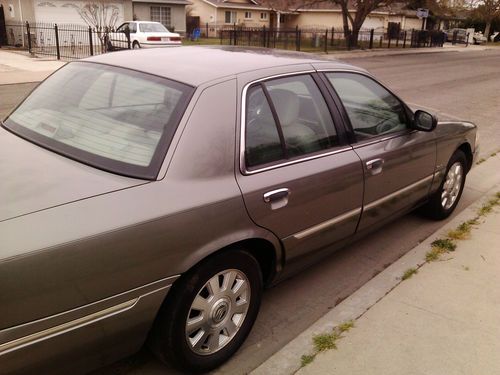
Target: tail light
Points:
(175, 39)
(154, 39)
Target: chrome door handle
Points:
(275, 195)
(375, 165)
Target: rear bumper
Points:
(159, 45)
(85, 338)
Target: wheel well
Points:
(466, 149)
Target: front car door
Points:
(299, 177)
(398, 162)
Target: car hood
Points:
(33, 178)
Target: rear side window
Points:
(286, 118)
(112, 118)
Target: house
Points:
(214, 14)
(169, 12)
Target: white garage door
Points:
(66, 12)
(373, 22)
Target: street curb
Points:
(288, 359)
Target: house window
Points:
(263, 16)
(282, 18)
(161, 15)
(248, 15)
(230, 17)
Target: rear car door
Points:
(398, 162)
(298, 176)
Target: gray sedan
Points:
(151, 195)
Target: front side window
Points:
(286, 118)
(111, 118)
(372, 110)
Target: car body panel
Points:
(406, 176)
(29, 184)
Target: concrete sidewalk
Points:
(20, 67)
(443, 320)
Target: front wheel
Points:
(209, 312)
(445, 199)
(136, 45)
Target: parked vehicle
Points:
(456, 35)
(145, 192)
(143, 34)
(479, 38)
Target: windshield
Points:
(111, 118)
(152, 28)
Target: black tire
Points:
(434, 208)
(136, 45)
(169, 340)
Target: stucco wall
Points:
(20, 15)
(255, 21)
(142, 12)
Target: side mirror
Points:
(424, 121)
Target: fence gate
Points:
(3, 30)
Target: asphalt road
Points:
(463, 85)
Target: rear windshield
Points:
(152, 27)
(111, 118)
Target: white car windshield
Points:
(112, 118)
(152, 28)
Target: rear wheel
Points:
(446, 198)
(209, 312)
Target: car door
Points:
(118, 38)
(298, 176)
(398, 162)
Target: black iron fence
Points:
(77, 41)
(65, 41)
(328, 39)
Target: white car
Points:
(143, 34)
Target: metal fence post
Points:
(234, 33)
(91, 44)
(206, 28)
(404, 40)
(264, 36)
(57, 42)
(381, 39)
(389, 43)
(467, 40)
(326, 41)
(372, 33)
(332, 37)
(127, 35)
(29, 36)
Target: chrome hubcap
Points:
(451, 186)
(217, 312)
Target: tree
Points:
(361, 9)
(354, 12)
(102, 16)
(486, 10)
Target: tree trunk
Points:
(487, 30)
(345, 20)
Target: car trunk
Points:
(28, 187)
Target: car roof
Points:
(196, 65)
